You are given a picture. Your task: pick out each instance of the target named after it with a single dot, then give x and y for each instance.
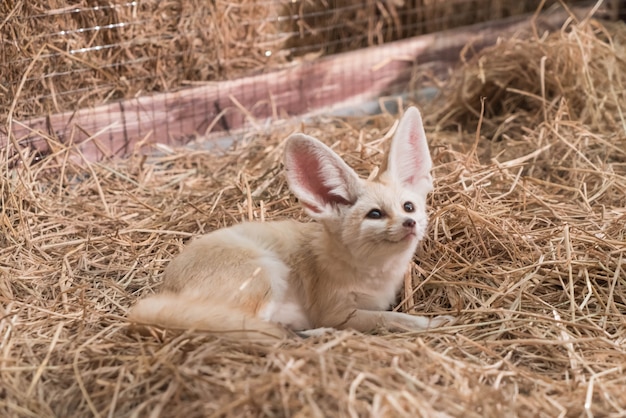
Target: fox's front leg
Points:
(367, 321)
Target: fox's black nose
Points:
(408, 223)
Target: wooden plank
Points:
(304, 87)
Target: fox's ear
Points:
(318, 177)
(409, 161)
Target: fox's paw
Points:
(438, 321)
(315, 332)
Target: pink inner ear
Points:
(415, 139)
(308, 171)
(312, 208)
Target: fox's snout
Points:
(409, 223)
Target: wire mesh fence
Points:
(63, 55)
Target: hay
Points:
(331, 26)
(59, 56)
(525, 84)
(526, 246)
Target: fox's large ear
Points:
(409, 161)
(318, 177)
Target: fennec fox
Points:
(343, 271)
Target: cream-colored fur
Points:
(259, 280)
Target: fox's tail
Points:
(176, 312)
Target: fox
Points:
(269, 280)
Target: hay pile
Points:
(61, 56)
(526, 246)
(58, 56)
(331, 26)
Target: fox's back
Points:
(247, 264)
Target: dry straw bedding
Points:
(526, 246)
(62, 55)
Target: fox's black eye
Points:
(375, 214)
(408, 207)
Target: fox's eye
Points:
(408, 207)
(374, 214)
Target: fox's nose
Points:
(408, 223)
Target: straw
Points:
(526, 248)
